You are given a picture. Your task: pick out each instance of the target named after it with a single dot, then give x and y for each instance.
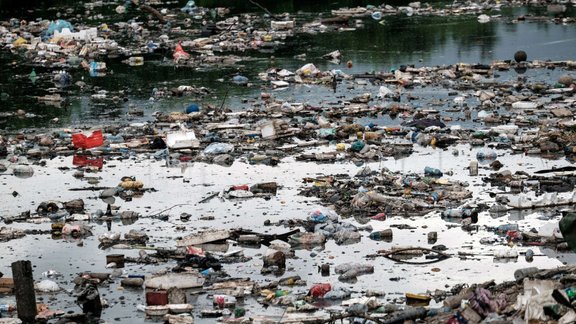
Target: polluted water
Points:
(187, 162)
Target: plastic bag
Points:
(308, 70)
(319, 290)
(179, 53)
(219, 148)
(321, 214)
(47, 286)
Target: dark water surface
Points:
(372, 47)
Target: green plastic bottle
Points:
(33, 76)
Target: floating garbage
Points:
(57, 25)
(182, 139)
(483, 19)
(47, 285)
(175, 280)
(240, 80)
(486, 157)
(179, 53)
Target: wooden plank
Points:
(24, 291)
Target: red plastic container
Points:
(157, 298)
(85, 142)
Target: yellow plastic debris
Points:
(19, 42)
(130, 184)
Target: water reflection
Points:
(88, 161)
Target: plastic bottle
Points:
(486, 157)
(357, 309)
(33, 76)
(280, 293)
(432, 172)
(408, 314)
(115, 138)
(355, 271)
(525, 272)
(437, 196)
(136, 61)
(381, 235)
(566, 296)
(461, 213)
(529, 255)
(347, 237)
(207, 272)
(349, 275)
(507, 227)
(132, 282)
(473, 168)
(524, 105)
(454, 213)
(374, 292)
(23, 171)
